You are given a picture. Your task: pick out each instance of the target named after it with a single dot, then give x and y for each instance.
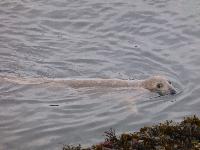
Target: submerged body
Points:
(158, 84)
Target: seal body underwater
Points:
(158, 84)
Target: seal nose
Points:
(172, 91)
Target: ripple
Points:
(115, 39)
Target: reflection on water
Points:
(90, 38)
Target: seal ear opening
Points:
(159, 85)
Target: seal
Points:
(158, 84)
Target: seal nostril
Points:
(172, 92)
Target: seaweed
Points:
(163, 136)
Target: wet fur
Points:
(149, 83)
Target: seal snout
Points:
(172, 91)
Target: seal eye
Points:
(169, 82)
(159, 85)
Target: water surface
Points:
(90, 38)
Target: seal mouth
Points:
(171, 92)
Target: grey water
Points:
(126, 39)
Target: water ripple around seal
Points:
(107, 39)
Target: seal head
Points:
(160, 85)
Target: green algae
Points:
(164, 136)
